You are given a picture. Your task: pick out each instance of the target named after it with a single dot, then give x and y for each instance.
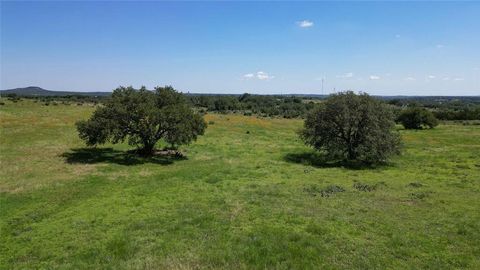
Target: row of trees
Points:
(443, 108)
(466, 113)
(287, 107)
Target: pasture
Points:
(247, 195)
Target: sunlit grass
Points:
(248, 195)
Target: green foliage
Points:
(143, 117)
(417, 118)
(284, 106)
(464, 113)
(352, 127)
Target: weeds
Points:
(364, 187)
(328, 191)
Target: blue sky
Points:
(403, 48)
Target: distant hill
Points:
(38, 91)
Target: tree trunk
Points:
(147, 149)
(351, 153)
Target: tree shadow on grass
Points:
(319, 160)
(109, 155)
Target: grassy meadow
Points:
(248, 195)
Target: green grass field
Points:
(240, 200)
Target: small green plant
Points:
(364, 187)
(419, 195)
(328, 191)
(415, 185)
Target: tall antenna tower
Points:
(322, 84)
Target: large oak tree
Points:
(142, 118)
(352, 127)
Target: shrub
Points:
(417, 118)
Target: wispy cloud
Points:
(374, 77)
(260, 75)
(439, 46)
(397, 36)
(431, 77)
(445, 78)
(346, 75)
(305, 23)
(410, 79)
(458, 79)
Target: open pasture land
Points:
(248, 194)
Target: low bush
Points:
(417, 118)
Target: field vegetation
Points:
(248, 194)
(443, 108)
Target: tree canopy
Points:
(142, 118)
(417, 118)
(352, 127)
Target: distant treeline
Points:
(283, 106)
(444, 108)
(451, 108)
(55, 100)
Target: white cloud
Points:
(445, 78)
(374, 77)
(410, 79)
(260, 75)
(346, 75)
(305, 23)
(431, 77)
(264, 76)
(458, 79)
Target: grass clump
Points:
(420, 195)
(415, 185)
(328, 191)
(364, 187)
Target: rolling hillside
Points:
(38, 91)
